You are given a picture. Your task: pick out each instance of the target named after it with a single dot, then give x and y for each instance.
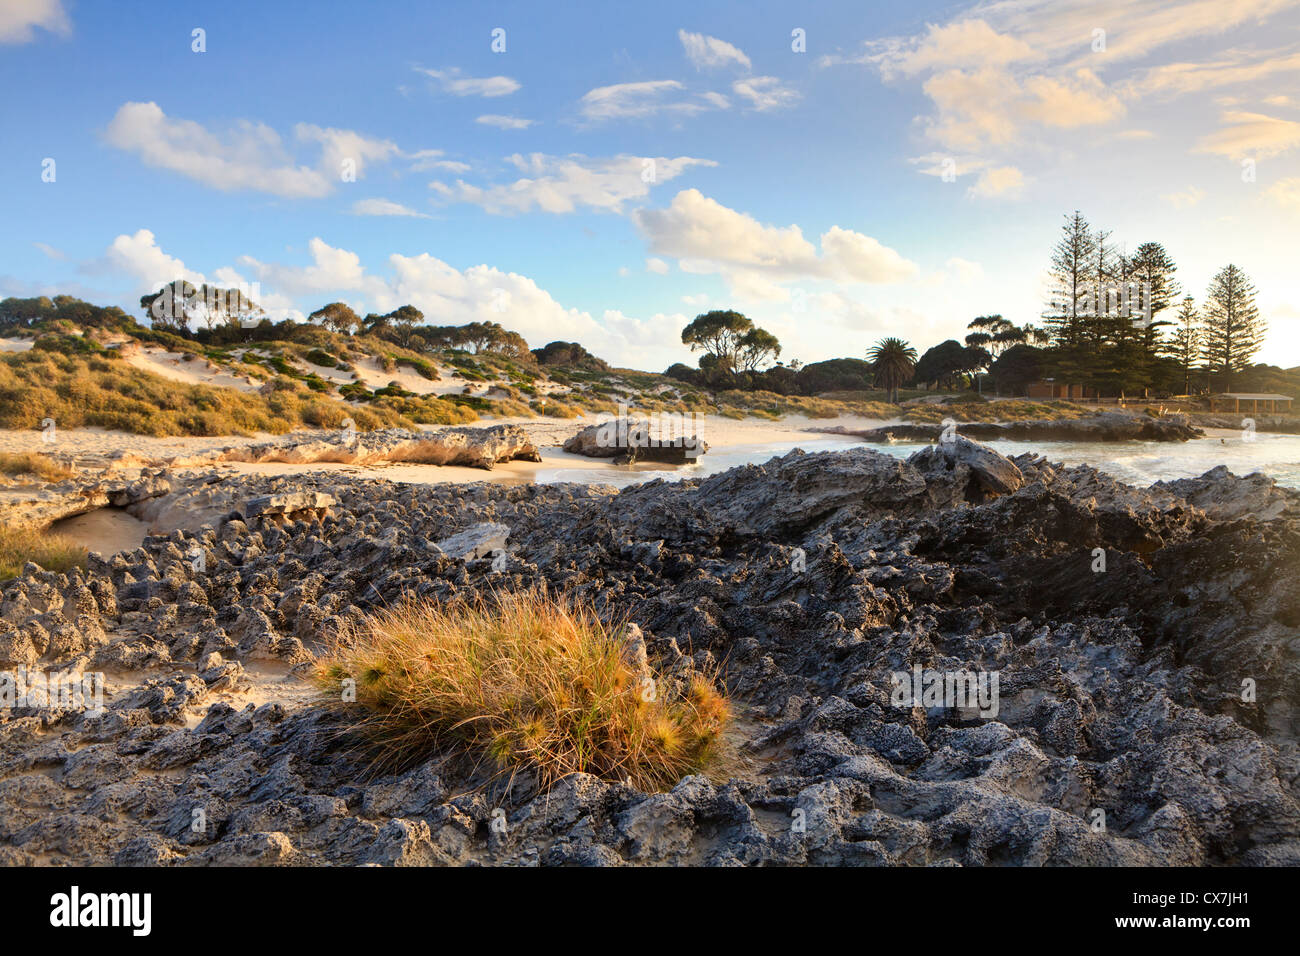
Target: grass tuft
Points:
(30, 463)
(53, 552)
(526, 682)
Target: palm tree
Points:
(893, 361)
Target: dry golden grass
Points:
(38, 466)
(53, 552)
(1010, 410)
(770, 405)
(523, 683)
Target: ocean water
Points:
(1136, 462)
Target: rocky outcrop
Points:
(961, 457)
(628, 441)
(1106, 426)
(40, 505)
(1143, 640)
(472, 447)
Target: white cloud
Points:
(707, 52)
(454, 82)
(645, 98)
(427, 159)
(562, 184)
(50, 252)
(992, 108)
(707, 237)
(140, 259)
(1186, 199)
(999, 182)
(248, 156)
(1285, 193)
(384, 207)
(958, 45)
(1251, 135)
(964, 270)
(1231, 68)
(341, 145)
(446, 295)
(764, 92)
(504, 122)
(450, 296)
(20, 18)
(656, 265)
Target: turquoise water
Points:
(1138, 463)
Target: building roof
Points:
(1255, 396)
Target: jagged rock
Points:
(632, 440)
(476, 542)
(286, 504)
(40, 506)
(994, 473)
(1104, 426)
(473, 447)
(1119, 690)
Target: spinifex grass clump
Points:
(522, 683)
(53, 552)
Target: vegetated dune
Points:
(194, 371)
(1121, 623)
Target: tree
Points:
(171, 306)
(403, 321)
(996, 334)
(1152, 268)
(1186, 348)
(1017, 367)
(892, 361)
(1234, 329)
(573, 355)
(177, 304)
(943, 365)
(834, 375)
(756, 347)
(337, 316)
(1072, 270)
(718, 333)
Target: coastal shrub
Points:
(53, 552)
(521, 683)
(322, 358)
(79, 391)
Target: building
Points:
(1050, 388)
(1221, 400)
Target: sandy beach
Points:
(89, 446)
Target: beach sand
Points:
(88, 446)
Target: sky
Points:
(602, 173)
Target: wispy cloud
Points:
(764, 92)
(707, 52)
(504, 122)
(646, 98)
(1186, 199)
(563, 184)
(1251, 135)
(384, 207)
(453, 81)
(247, 156)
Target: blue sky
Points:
(618, 168)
